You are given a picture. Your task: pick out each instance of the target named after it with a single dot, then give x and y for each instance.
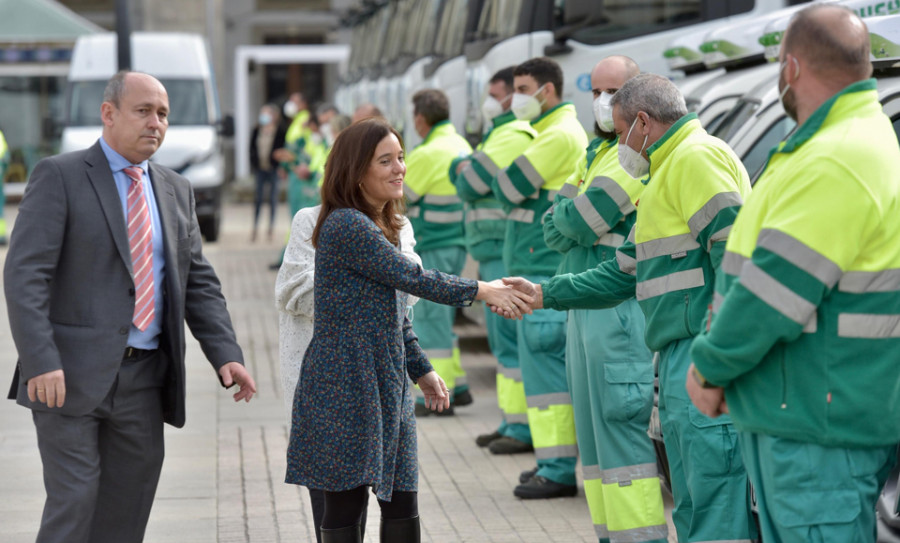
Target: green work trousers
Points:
(808, 493)
(501, 335)
(433, 323)
(610, 374)
(542, 356)
(709, 482)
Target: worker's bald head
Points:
(613, 71)
(832, 41)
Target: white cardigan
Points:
(294, 295)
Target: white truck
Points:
(192, 146)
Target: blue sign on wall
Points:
(583, 82)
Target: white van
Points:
(193, 145)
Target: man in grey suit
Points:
(103, 269)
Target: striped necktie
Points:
(140, 240)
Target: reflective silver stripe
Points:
(644, 533)
(410, 194)
(717, 302)
(868, 326)
(631, 234)
(801, 255)
(447, 199)
(443, 217)
(721, 235)
(733, 262)
(669, 283)
(529, 172)
(462, 380)
(479, 186)
(665, 246)
(569, 190)
(590, 215)
(590, 472)
(611, 240)
(486, 163)
(520, 214)
(485, 214)
(438, 353)
(543, 401)
(778, 296)
(510, 373)
(601, 531)
(626, 263)
(702, 218)
(413, 212)
(812, 324)
(516, 418)
(615, 191)
(560, 451)
(551, 195)
(624, 475)
(508, 189)
(859, 282)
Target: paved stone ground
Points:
(223, 476)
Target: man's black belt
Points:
(134, 352)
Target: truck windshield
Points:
(187, 102)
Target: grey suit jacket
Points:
(70, 289)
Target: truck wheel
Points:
(209, 227)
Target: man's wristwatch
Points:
(700, 379)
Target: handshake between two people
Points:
(511, 297)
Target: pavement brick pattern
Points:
(223, 475)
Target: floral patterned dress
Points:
(353, 421)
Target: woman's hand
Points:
(437, 397)
(511, 302)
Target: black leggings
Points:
(345, 508)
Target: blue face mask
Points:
(265, 118)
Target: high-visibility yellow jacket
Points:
(485, 217)
(435, 210)
(695, 189)
(594, 211)
(528, 186)
(806, 321)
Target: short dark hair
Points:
(827, 44)
(506, 76)
(325, 107)
(350, 159)
(543, 70)
(432, 104)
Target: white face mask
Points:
(603, 112)
(491, 108)
(290, 109)
(327, 134)
(788, 108)
(526, 106)
(631, 161)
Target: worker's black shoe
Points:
(486, 439)
(526, 475)
(541, 488)
(508, 445)
(422, 411)
(462, 399)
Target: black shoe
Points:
(541, 488)
(274, 266)
(422, 411)
(508, 445)
(348, 534)
(400, 531)
(486, 439)
(526, 475)
(462, 399)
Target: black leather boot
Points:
(400, 531)
(347, 534)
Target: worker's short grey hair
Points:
(654, 95)
(115, 87)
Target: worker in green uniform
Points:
(485, 228)
(526, 189)
(436, 214)
(609, 367)
(4, 163)
(669, 262)
(803, 328)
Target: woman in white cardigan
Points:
(294, 301)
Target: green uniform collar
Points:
(676, 133)
(498, 121)
(439, 128)
(815, 121)
(595, 146)
(547, 115)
